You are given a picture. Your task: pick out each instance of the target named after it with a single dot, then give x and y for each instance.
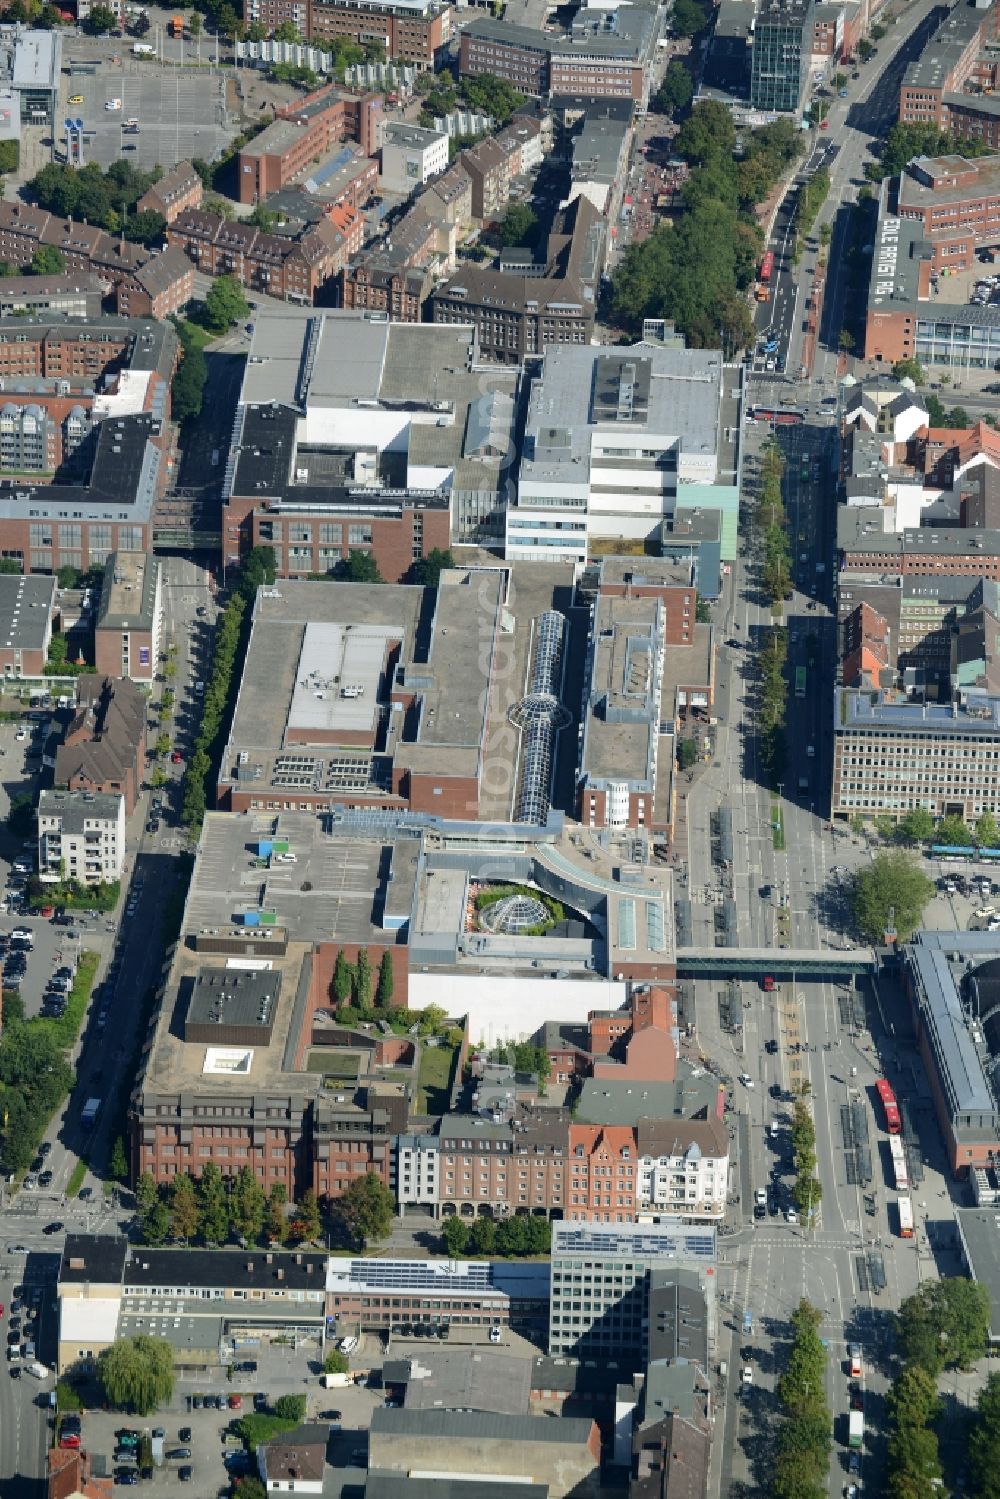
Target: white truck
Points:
(143, 49)
(334, 1381)
(38, 1371)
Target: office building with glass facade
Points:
(780, 55)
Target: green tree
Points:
(194, 24)
(688, 17)
(137, 1374)
(953, 830)
(225, 304)
(456, 1237)
(100, 22)
(492, 96)
(984, 1441)
(184, 1212)
(362, 980)
(343, 979)
(146, 1192)
(687, 752)
(118, 1162)
(336, 1362)
(519, 225)
(891, 882)
(247, 1206)
(275, 1219)
(360, 567)
(47, 260)
(916, 827)
(913, 1399)
(865, 50)
(512, 1237)
(290, 1408)
(845, 341)
(146, 228)
(228, 23)
(142, 25)
(676, 91)
(287, 32)
(539, 1236)
(987, 832)
(944, 1325)
(909, 369)
(483, 1236)
(383, 993)
(367, 1208)
(427, 571)
(306, 1223)
(212, 1204)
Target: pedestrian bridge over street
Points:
(781, 963)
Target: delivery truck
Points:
(334, 1381)
(856, 1429)
(89, 1112)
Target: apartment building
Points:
(415, 31)
(377, 283)
(158, 289)
(85, 249)
(501, 1169)
(683, 1169)
(81, 837)
(302, 132)
(892, 754)
(293, 266)
(176, 190)
(104, 749)
(128, 625)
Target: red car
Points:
(235, 1402)
(177, 758)
(767, 983)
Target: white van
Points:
(348, 1345)
(112, 104)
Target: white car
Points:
(112, 104)
(746, 1080)
(747, 1375)
(792, 1216)
(21, 735)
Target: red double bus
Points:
(893, 1123)
(767, 266)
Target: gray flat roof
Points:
(479, 1426)
(679, 394)
(37, 60)
(469, 1379)
(960, 1065)
(882, 712)
(624, 1101)
(25, 610)
(78, 808)
(292, 722)
(128, 592)
(979, 1229)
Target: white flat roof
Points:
(337, 681)
(83, 1318)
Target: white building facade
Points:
(81, 837)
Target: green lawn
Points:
(777, 828)
(436, 1066)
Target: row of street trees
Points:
(215, 1209)
(802, 1458)
(807, 1191)
(772, 523)
(513, 1237)
(773, 704)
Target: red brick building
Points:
(176, 190)
(105, 745)
(302, 132)
(158, 289)
(416, 33)
(291, 267)
(602, 1174)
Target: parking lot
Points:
(201, 1436)
(181, 114)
